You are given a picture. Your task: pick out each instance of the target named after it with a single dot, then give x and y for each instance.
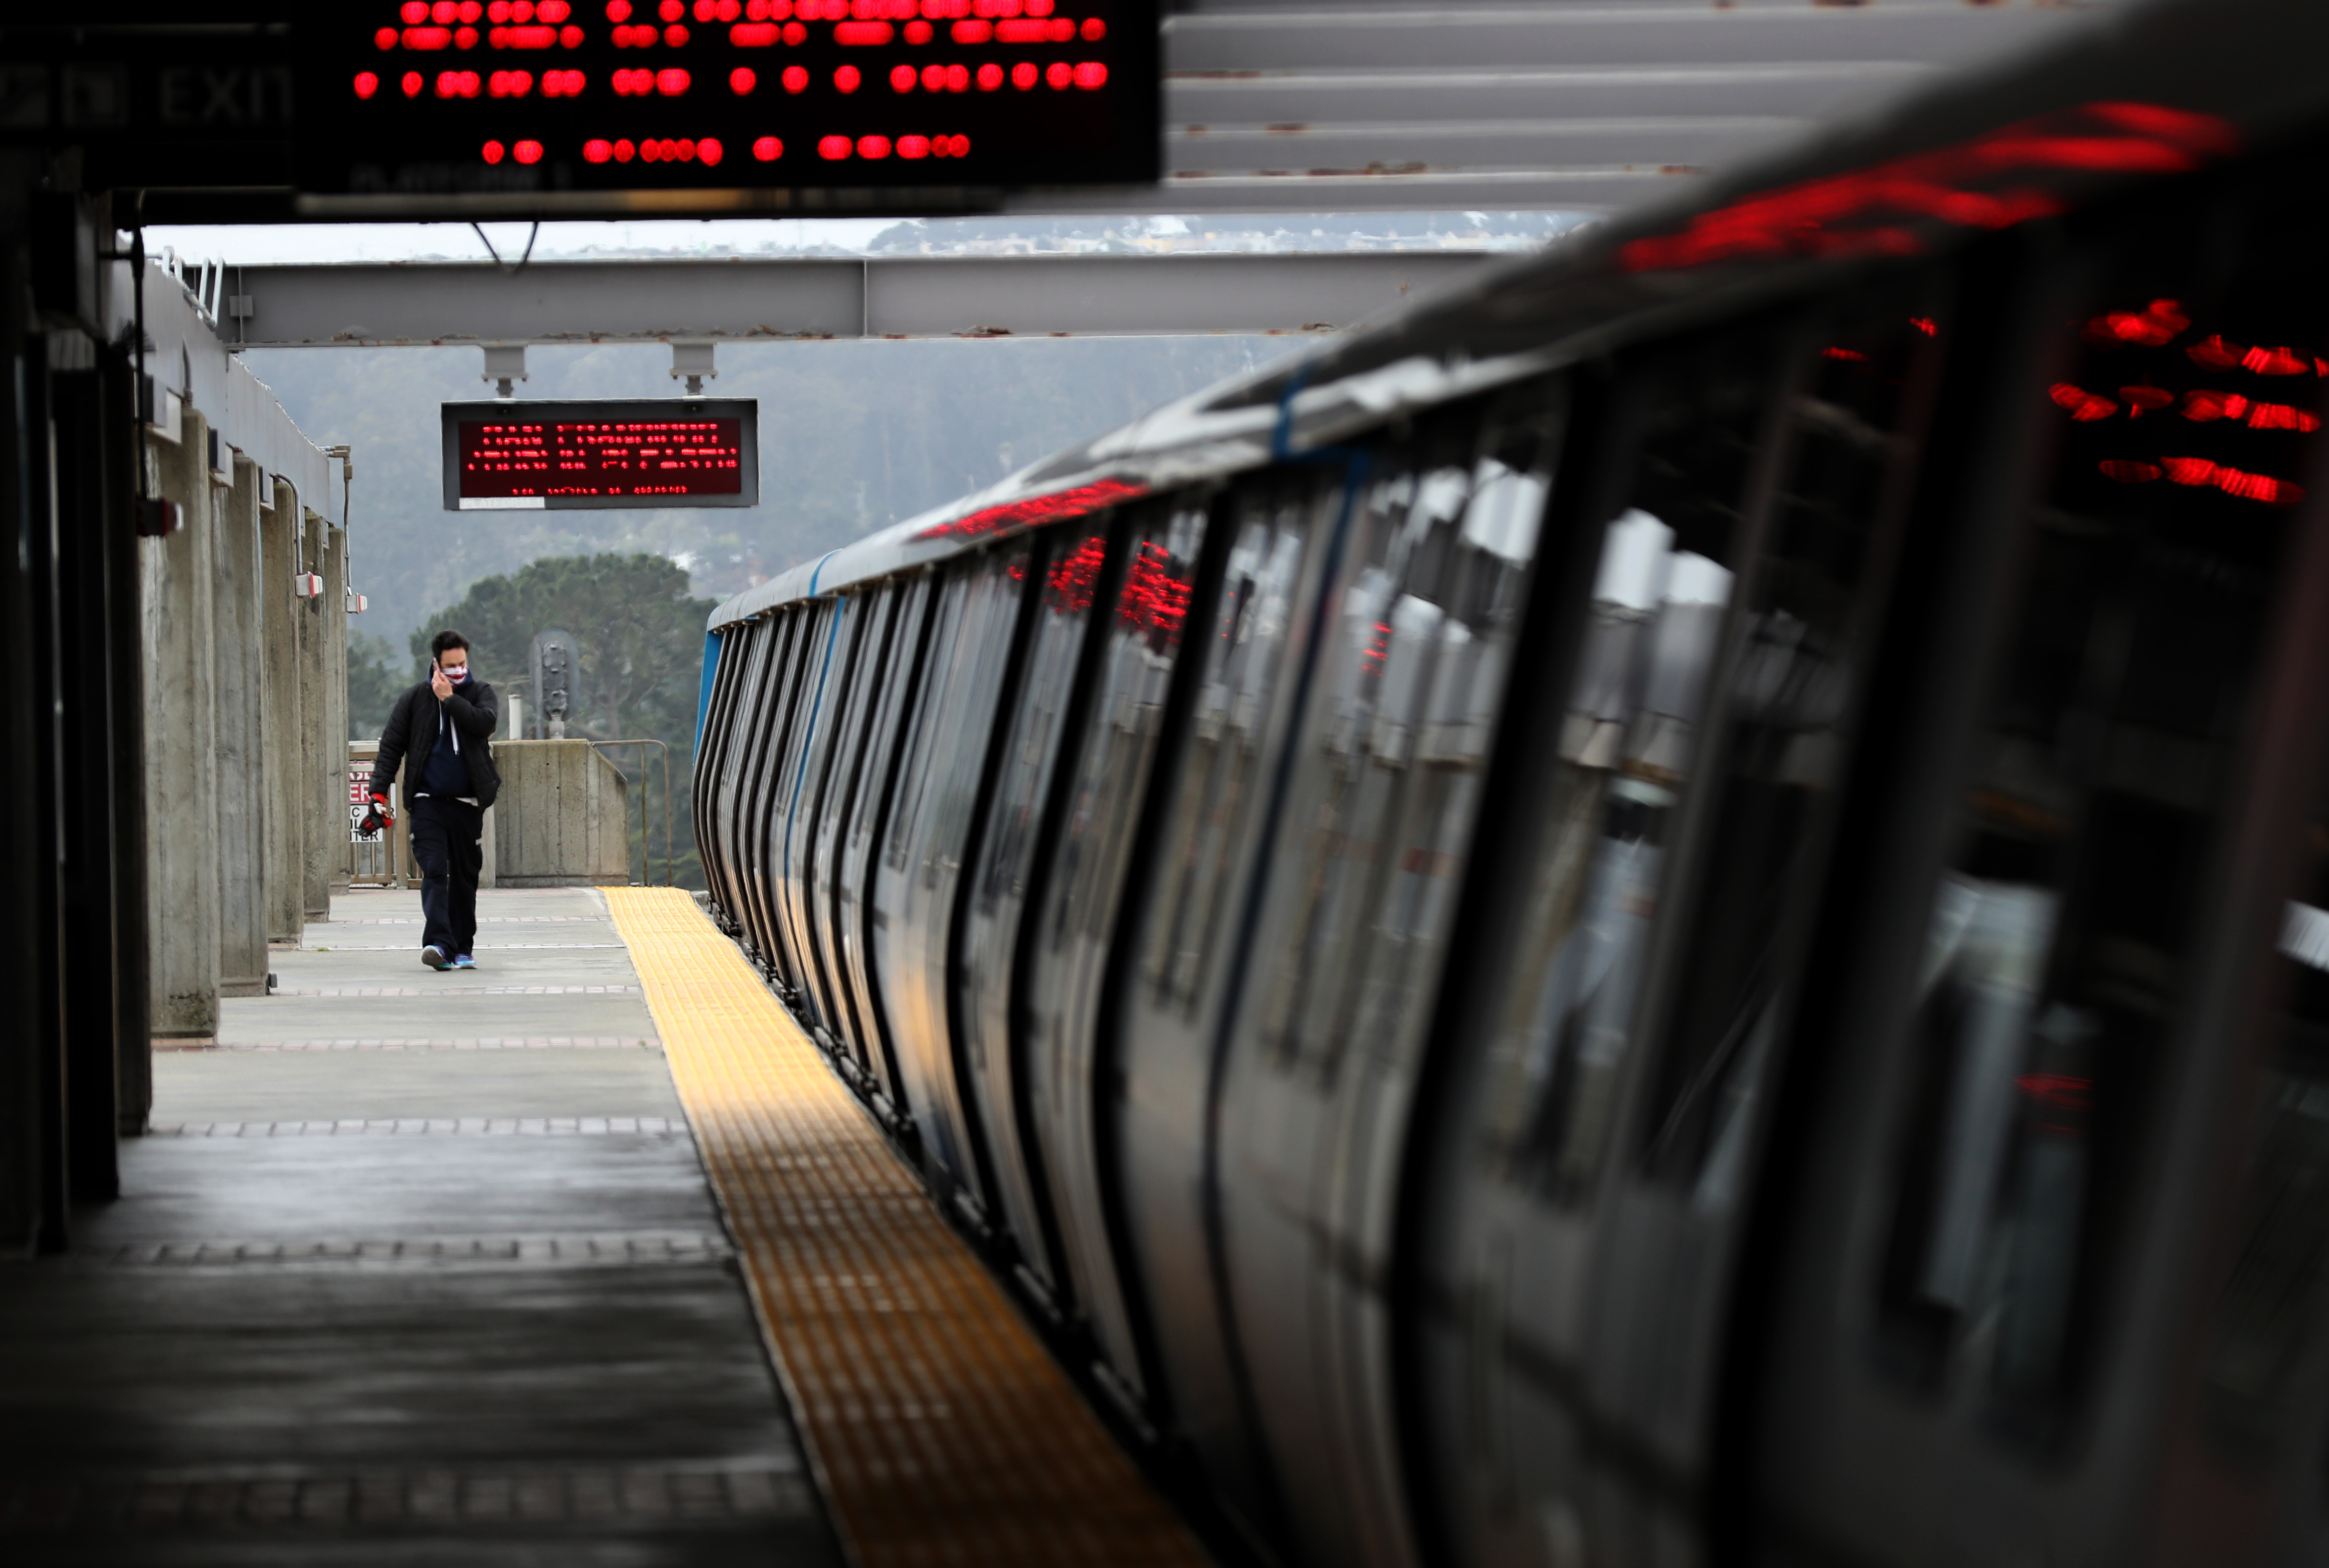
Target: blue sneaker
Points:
(434, 956)
(464, 962)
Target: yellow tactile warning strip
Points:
(941, 1430)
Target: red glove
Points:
(378, 818)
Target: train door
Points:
(1190, 932)
(715, 759)
(758, 695)
(868, 830)
(1584, 1183)
(1322, 1047)
(788, 763)
(764, 760)
(859, 699)
(2038, 1304)
(830, 657)
(1078, 574)
(942, 774)
(844, 668)
(1071, 954)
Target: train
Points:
(1670, 907)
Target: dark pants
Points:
(444, 835)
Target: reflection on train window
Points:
(1409, 675)
(1308, 990)
(1665, 577)
(1144, 641)
(1071, 576)
(2267, 1317)
(1782, 709)
(1675, 682)
(2062, 925)
(1215, 790)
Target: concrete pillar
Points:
(125, 625)
(280, 755)
(319, 766)
(238, 619)
(180, 745)
(335, 699)
(104, 717)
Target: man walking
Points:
(442, 726)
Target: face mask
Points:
(459, 675)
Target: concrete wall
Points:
(563, 818)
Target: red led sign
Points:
(681, 452)
(434, 97)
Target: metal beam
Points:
(1111, 296)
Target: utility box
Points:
(562, 819)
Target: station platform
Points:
(580, 1258)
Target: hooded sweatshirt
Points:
(446, 773)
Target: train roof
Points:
(2142, 92)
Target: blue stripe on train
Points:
(703, 696)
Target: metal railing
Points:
(380, 861)
(645, 847)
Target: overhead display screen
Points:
(509, 456)
(510, 97)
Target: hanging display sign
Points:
(510, 456)
(406, 97)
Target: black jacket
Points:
(473, 714)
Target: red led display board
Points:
(518, 97)
(509, 456)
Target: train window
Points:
(1381, 632)
(1111, 772)
(2090, 796)
(1663, 584)
(1781, 716)
(1409, 680)
(921, 723)
(1213, 807)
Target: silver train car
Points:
(1672, 909)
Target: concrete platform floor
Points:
(414, 1268)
